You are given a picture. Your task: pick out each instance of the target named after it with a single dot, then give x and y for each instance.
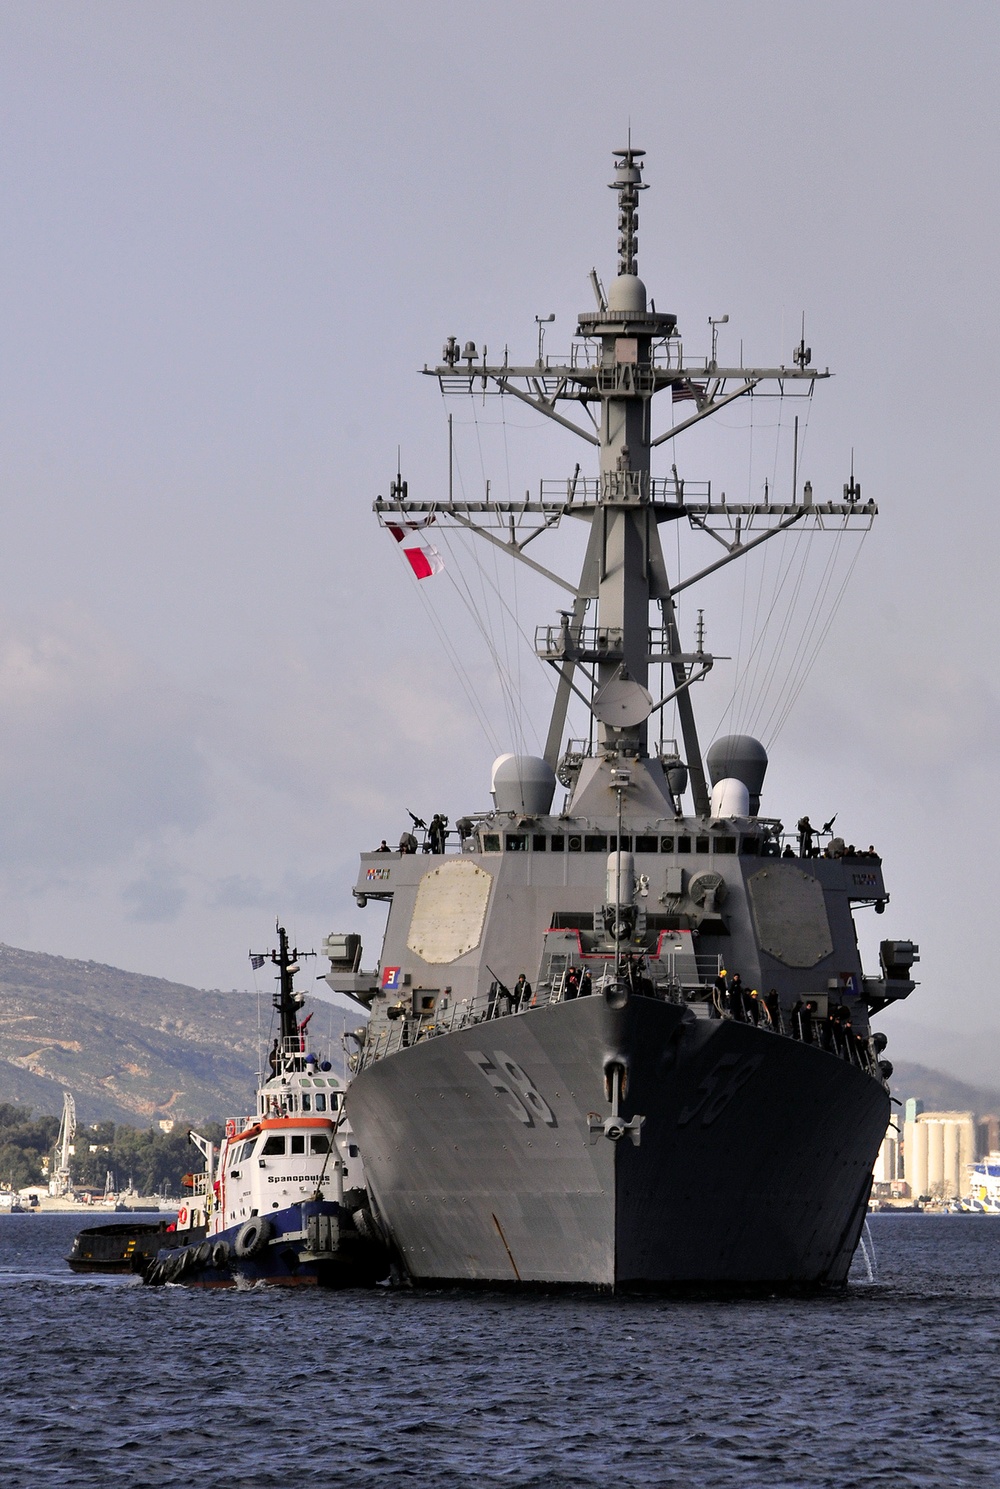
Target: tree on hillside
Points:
(24, 1141)
(150, 1158)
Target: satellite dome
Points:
(627, 292)
(742, 757)
(523, 784)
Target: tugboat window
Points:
(306, 1102)
(319, 1144)
(320, 1102)
(298, 1143)
(274, 1146)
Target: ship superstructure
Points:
(623, 1041)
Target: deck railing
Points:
(706, 1000)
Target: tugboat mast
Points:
(285, 999)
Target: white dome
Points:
(627, 292)
(730, 798)
(523, 783)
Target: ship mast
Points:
(626, 352)
(285, 999)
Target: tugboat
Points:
(283, 1201)
(623, 1042)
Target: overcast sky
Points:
(233, 233)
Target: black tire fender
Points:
(253, 1236)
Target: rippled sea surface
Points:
(894, 1382)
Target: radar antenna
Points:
(628, 183)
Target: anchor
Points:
(614, 1127)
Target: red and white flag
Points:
(423, 557)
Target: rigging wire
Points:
(516, 605)
(767, 681)
(464, 680)
(797, 566)
(808, 663)
(752, 691)
(507, 683)
(511, 705)
(481, 613)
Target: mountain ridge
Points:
(128, 1046)
(137, 1048)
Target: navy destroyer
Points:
(623, 1043)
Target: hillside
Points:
(941, 1092)
(134, 1049)
(131, 1049)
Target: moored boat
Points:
(283, 1200)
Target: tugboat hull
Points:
(312, 1244)
(487, 1155)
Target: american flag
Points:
(685, 391)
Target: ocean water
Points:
(895, 1382)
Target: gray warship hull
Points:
(487, 1166)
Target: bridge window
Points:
(666, 845)
(538, 842)
(725, 845)
(318, 1143)
(574, 844)
(702, 845)
(275, 1146)
(595, 842)
(298, 1143)
(683, 845)
(750, 845)
(306, 1102)
(320, 1102)
(645, 845)
(491, 842)
(557, 843)
(516, 842)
